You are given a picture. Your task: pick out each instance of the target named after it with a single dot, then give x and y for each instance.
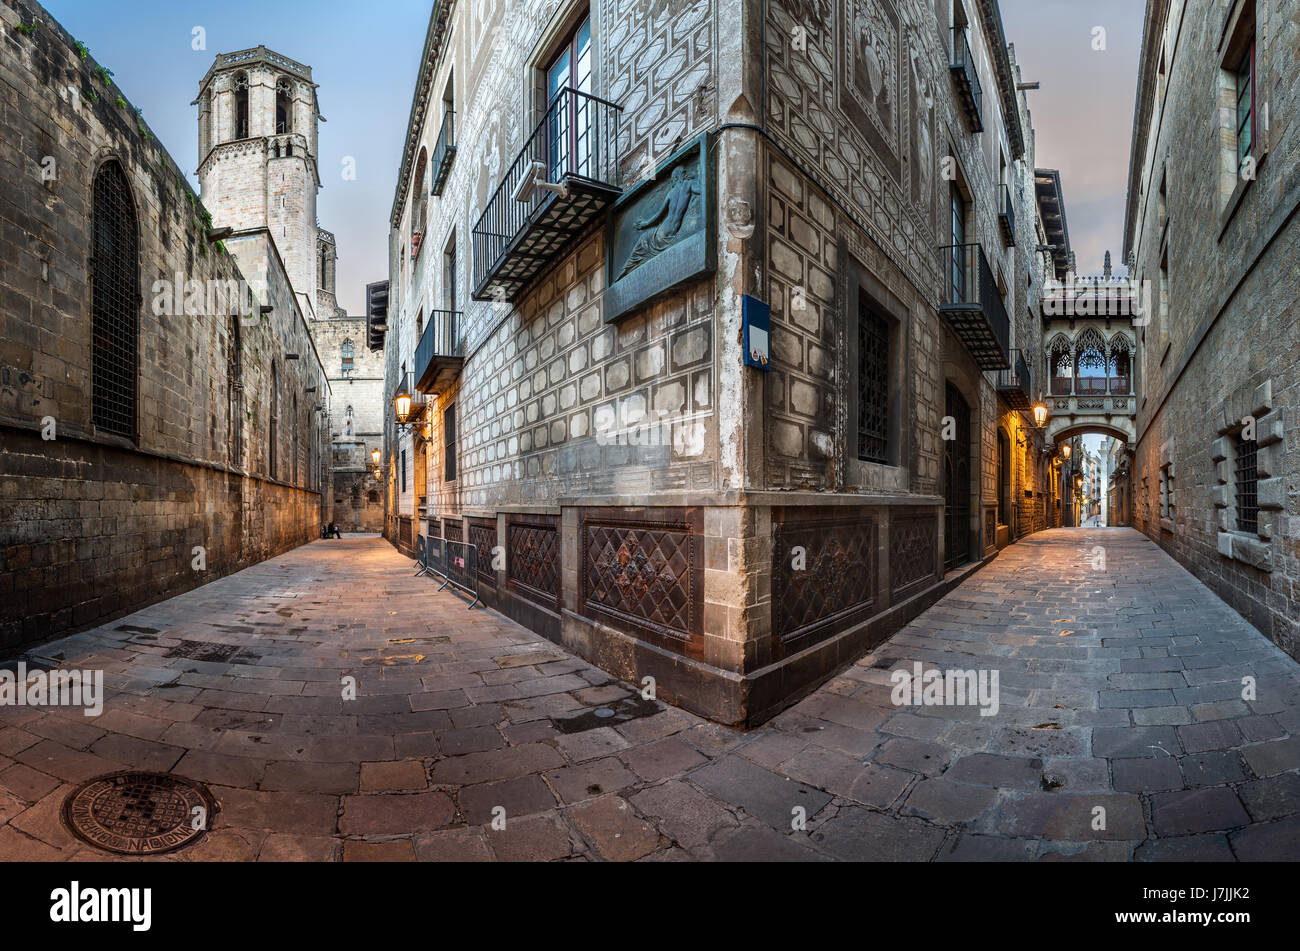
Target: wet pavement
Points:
(1137, 717)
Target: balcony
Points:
(444, 153)
(969, 94)
(1091, 386)
(1013, 384)
(1006, 216)
(973, 306)
(562, 181)
(440, 354)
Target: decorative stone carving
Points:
(661, 233)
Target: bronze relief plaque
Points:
(661, 233)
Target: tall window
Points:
(1247, 485)
(241, 105)
(349, 353)
(235, 391)
(957, 275)
(283, 108)
(1246, 105)
(1004, 478)
(449, 440)
(570, 139)
(403, 470)
(294, 429)
(450, 292)
(273, 428)
(115, 295)
(419, 207)
(873, 385)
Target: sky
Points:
(1083, 114)
(364, 57)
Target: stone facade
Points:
(660, 507)
(212, 460)
(258, 146)
(1212, 226)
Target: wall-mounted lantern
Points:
(1040, 414)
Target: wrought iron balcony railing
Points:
(444, 153)
(969, 93)
(1014, 383)
(973, 305)
(1089, 386)
(1006, 215)
(440, 354)
(562, 180)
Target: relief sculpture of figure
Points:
(666, 220)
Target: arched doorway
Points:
(956, 486)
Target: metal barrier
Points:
(455, 562)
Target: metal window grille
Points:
(114, 303)
(1247, 478)
(873, 387)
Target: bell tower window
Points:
(283, 108)
(241, 105)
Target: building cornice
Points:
(435, 48)
(1143, 106)
(991, 19)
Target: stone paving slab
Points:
(1123, 731)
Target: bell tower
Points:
(258, 117)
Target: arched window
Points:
(349, 351)
(241, 105)
(1089, 363)
(347, 422)
(1060, 364)
(115, 302)
(419, 206)
(283, 108)
(372, 496)
(1120, 366)
(273, 427)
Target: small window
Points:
(1247, 486)
(449, 437)
(403, 468)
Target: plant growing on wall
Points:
(81, 49)
(27, 29)
(105, 75)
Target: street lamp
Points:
(1040, 414)
(402, 404)
(1065, 451)
(375, 455)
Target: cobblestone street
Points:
(1120, 688)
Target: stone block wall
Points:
(94, 524)
(1225, 345)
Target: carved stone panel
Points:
(913, 538)
(533, 559)
(643, 572)
(823, 574)
(661, 232)
(483, 536)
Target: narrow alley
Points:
(1119, 730)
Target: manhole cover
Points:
(204, 650)
(135, 813)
